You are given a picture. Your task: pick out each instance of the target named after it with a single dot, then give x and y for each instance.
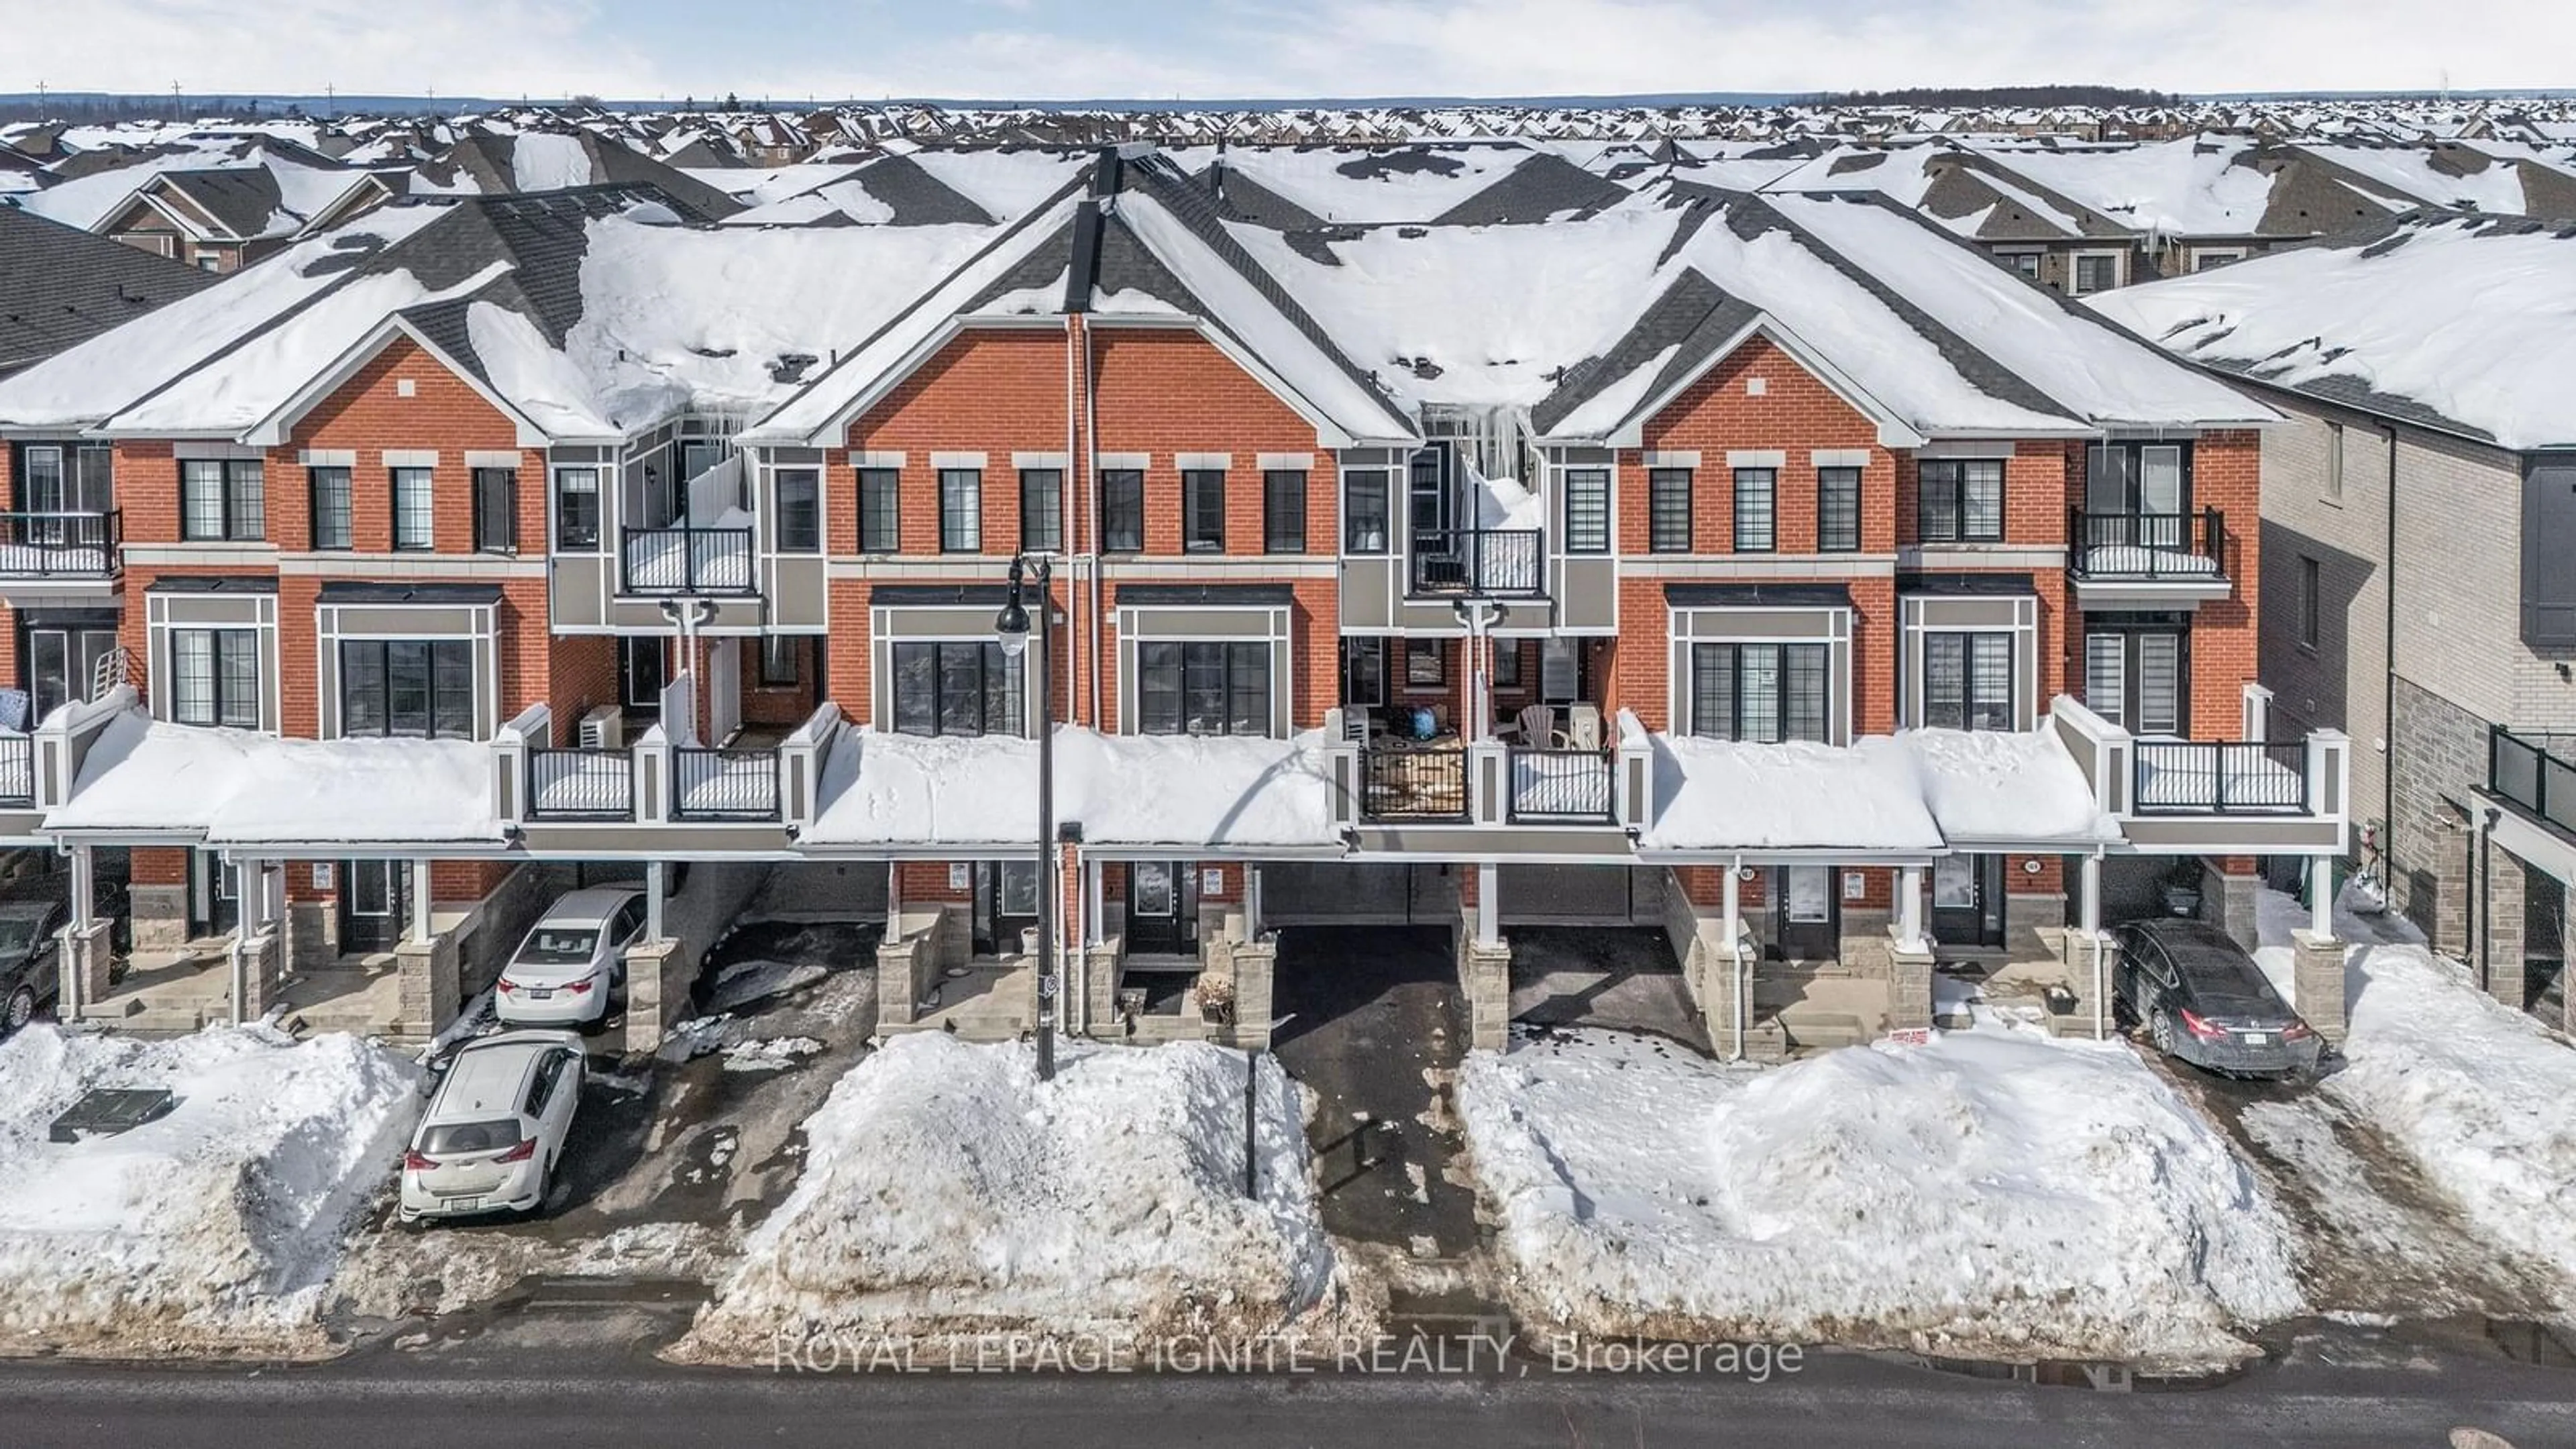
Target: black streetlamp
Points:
(1011, 630)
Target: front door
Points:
(1154, 908)
(214, 900)
(371, 904)
(1808, 916)
(640, 675)
(1968, 900)
(1006, 904)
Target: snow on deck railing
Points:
(63, 740)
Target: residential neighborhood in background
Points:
(1520, 615)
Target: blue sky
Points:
(1066, 49)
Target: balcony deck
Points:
(39, 545)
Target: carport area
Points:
(1623, 978)
(676, 1153)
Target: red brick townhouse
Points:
(1774, 573)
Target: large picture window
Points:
(957, 687)
(1762, 693)
(214, 677)
(222, 499)
(1203, 689)
(1960, 500)
(419, 687)
(1968, 681)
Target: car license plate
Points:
(465, 1204)
(2256, 1038)
(541, 993)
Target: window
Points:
(1203, 689)
(1960, 500)
(961, 510)
(1507, 664)
(407, 687)
(1755, 511)
(2311, 612)
(1122, 510)
(2026, 263)
(1837, 510)
(2334, 462)
(330, 507)
(1364, 505)
(956, 688)
(880, 510)
(2134, 676)
(1424, 663)
(1203, 510)
(2096, 272)
(1761, 693)
(1283, 510)
(496, 510)
(222, 498)
(1017, 896)
(1668, 510)
(2202, 261)
(800, 509)
(214, 677)
(1041, 510)
(414, 522)
(577, 508)
(2150, 482)
(1967, 681)
(781, 661)
(1364, 671)
(1587, 510)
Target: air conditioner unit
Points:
(603, 728)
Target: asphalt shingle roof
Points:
(60, 286)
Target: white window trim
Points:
(2075, 270)
(483, 634)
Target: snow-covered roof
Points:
(2195, 186)
(1369, 185)
(242, 788)
(2462, 324)
(897, 791)
(1918, 790)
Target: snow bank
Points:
(1987, 1195)
(947, 1192)
(211, 1229)
(1998, 785)
(1723, 794)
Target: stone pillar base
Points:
(1256, 964)
(1909, 989)
(2228, 902)
(85, 961)
(1485, 980)
(2317, 983)
(260, 957)
(652, 993)
(432, 987)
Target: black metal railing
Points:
(1560, 786)
(50, 543)
(687, 560)
(724, 784)
(2220, 777)
(581, 785)
(1400, 784)
(1479, 561)
(2146, 545)
(17, 771)
(2527, 774)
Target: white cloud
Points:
(457, 47)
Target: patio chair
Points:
(1535, 727)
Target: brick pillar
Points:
(2228, 890)
(650, 967)
(85, 963)
(431, 984)
(2317, 984)
(1255, 965)
(1909, 989)
(2499, 924)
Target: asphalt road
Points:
(511, 1389)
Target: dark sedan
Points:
(2204, 1001)
(31, 912)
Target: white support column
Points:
(2321, 896)
(1731, 907)
(894, 901)
(2089, 876)
(420, 927)
(1731, 896)
(1488, 905)
(654, 872)
(84, 886)
(1909, 909)
(1251, 902)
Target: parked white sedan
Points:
(573, 960)
(496, 1127)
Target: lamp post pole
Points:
(1012, 629)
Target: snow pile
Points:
(2472, 1090)
(1988, 1195)
(1724, 794)
(212, 1228)
(946, 1191)
(773, 1054)
(1999, 785)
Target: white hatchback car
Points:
(573, 959)
(495, 1128)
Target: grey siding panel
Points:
(1367, 593)
(205, 611)
(407, 623)
(800, 593)
(1590, 594)
(2549, 554)
(575, 590)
